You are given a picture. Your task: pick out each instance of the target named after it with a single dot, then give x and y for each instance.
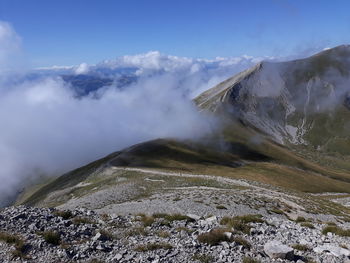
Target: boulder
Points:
(275, 249)
(211, 219)
(333, 249)
(194, 217)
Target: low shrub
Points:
(147, 220)
(159, 215)
(136, 231)
(300, 219)
(301, 247)
(336, 230)
(214, 237)
(204, 258)
(163, 234)
(20, 247)
(277, 211)
(241, 241)
(240, 223)
(181, 228)
(64, 214)
(307, 224)
(10, 238)
(51, 237)
(106, 235)
(83, 220)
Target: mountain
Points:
(191, 75)
(83, 85)
(284, 132)
(302, 104)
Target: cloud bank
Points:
(193, 76)
(46, 130)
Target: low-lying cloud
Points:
(46, 130)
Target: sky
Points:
(69, 32)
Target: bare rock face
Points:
(275, 249)
(290, 101)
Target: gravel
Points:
(86, 236)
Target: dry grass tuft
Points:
(336, 230)
(214, 237)
(240, 223)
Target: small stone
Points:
(32, 227)
(100, 247)
(225, 245)
(118, 256)
(228, 235)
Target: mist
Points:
(46, 130)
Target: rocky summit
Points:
(49, 235)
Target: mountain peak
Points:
(290, 101)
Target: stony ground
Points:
(50, 235)
(126, 191)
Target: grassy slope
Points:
(237, 157)
(69, 179)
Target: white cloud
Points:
(83, 68)
(192, 75)
(154, 60)
(10, 49)
(46, 130)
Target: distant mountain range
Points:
(126, 70)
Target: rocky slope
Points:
(49, 235)
(291, 101)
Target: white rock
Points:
(211, 219)
(334, 250)
(228, 234)
(118, 256)
(97, 236)
(275, 249)
(225, 245)
(208, 221)
(193, 216)
(305, 242)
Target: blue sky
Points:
(69, 32)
